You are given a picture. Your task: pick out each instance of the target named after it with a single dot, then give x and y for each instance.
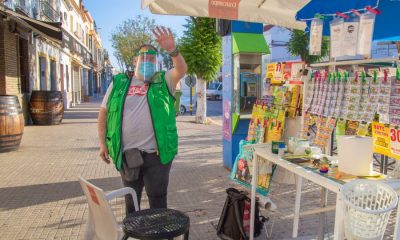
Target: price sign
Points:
(395, 143)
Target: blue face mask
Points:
(147, 70)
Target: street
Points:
(40, 196)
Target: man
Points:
(136, 125)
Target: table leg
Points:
(322, 216)
(339, 218)
(254, 183)
(299, 182)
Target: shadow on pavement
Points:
(25, 196)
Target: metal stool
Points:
(152, 224)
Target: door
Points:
(53, 75)
(43, 70)
(62, 88)
(76, 84)
(24, 65)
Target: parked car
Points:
(185, 104)
(214, 91)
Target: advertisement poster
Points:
(336, 37)
(316, 37)
(275, 72)
(287, 71)
(380, 134)
(350, 38)
(365, 33)
(395, 143)
(227, 87)
(227, 121)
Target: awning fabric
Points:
(49, 30)
(386, 24)
(275, 12)
(249, 43)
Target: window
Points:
(66, 17)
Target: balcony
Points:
(47, 11)
(21, 5)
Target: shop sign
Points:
(380, 133)
(226, 9)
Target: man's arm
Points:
(179, 70)
(102, 128)
(165, 39)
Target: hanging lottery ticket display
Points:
(351, 103)
(316, 36)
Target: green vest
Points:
(162, 112)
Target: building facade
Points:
(49, 45)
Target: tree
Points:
(129, 36)
(202, 50)
(298, 46)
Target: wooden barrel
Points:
(46, 107)
(11, 123)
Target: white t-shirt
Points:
(137, 126)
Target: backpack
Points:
(234, 223)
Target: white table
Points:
(263, 152)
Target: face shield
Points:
(146, 65)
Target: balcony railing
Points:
(48, 12)
(22, 6)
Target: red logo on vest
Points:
(138, 90)
(225, 9)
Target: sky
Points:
(108, 14)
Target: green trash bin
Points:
(177, 105)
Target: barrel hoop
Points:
(11, 135)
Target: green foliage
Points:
(201, 48)
(129, 36)
(298, 46)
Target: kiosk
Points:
(243, 47)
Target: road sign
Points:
(190, 81)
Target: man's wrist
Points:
(174, 52)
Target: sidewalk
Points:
(40, 196)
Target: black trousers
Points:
(154, 177)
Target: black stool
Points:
(153, 224)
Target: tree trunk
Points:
(201, 112)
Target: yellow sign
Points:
(380, 133)
(275, 72)
(395, 143)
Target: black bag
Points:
(131, 163)
(230, 225)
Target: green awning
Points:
(249, 43)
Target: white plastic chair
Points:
(101, 220)
(368, 205)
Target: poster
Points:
(350, 38)
(227, 88)
(316, 36)
(380, 134)
(275, 72)
(336, 38)
(365, 33)
(395, 143)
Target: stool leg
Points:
(186, 237)
(125, 237)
